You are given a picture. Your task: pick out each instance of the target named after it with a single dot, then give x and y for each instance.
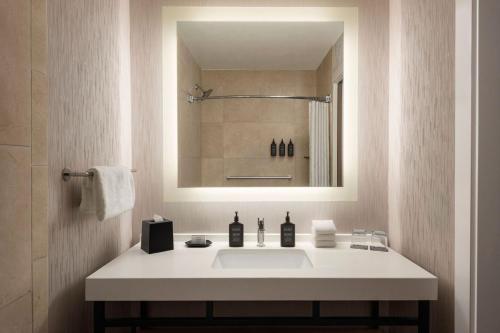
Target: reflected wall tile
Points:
(212, 140)
(243, 110)
(212, 111)
(212, 171)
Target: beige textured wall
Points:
(371, 208)
(23, 161)
(189, 119)
(89, 113)
(237, 133)
(426, 138)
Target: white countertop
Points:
(339, 273)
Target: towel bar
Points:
(67, 173)
(259, 177)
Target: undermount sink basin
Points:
(261, 259)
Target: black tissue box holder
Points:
(157, 236)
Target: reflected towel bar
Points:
(259, 177)
(68, 173)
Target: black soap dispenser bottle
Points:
(273, 148)
(236, 232)
(282, 148)
(287, 232)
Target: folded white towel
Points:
(321, 227)
(324, 243)
(325, 237)
(109, 192)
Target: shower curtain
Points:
(319, 144)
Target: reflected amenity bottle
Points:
(290, 148)
(287, 232)
(282, 148)
(236, 232)
(273, 148)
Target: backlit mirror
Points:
(260, 104)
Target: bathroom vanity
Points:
(272, 273)
(231, 102)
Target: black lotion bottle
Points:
(273, 148)
(287, 232)
(236, 232)
(282, 148)
(290, 148)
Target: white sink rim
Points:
(283, 258)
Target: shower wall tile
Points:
(15, 71)
(242, 110)
(15, 226)
(39, 39)
(212, 172)
(212, 110)
(16, 317)
(252, 140)
(41, 295)
(267, 166)
(39, 212)
(212, 140)
(251, 124)
(190, 171)
(39, 118)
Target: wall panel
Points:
(89, 113)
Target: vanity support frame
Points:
(421, 321)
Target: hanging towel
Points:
(323, 227)
(319, 144)
(109, 192)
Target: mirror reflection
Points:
(260, 104)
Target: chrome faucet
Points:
(260, 233)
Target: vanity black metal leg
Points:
(423, 317)
(209, 309)
(316, 310)
(143, 311)
(99, 317)
(374, 312)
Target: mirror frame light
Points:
(172, 15)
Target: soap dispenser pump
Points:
(236, 232)
(287, 232)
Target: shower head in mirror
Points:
(205, 93)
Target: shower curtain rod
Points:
(326, 99)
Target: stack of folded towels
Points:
(323, 232)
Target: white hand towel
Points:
(322, 227)
(325, 237)
(324, 243)
(109, 192)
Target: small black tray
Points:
(207, 244)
